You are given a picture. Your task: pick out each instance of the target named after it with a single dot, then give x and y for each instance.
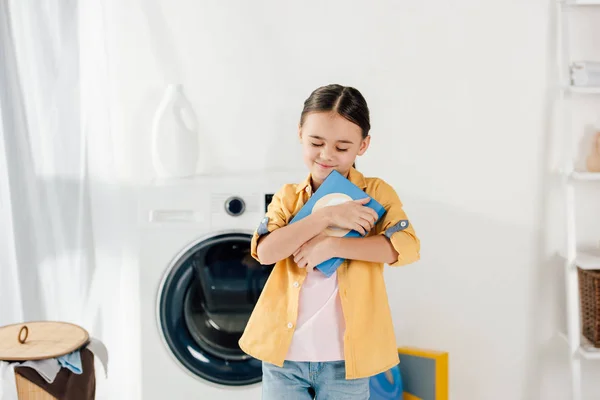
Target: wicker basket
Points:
(27, 390)
(38, 340)
(589, 295)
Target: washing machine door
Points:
(204, 304)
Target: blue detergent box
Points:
(336, 189)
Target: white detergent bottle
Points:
(175, 141)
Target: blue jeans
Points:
(299, 380)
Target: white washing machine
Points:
(199, 284)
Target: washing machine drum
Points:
(205, 302)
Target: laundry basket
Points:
(38, 341)
(589, 296)
(27, 390)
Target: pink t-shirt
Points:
(319, 334)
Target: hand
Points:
(314, 252)
(352, 215)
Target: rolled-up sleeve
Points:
(396, 226)
(276, 217)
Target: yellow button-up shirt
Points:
(369, 341)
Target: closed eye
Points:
(321, 145)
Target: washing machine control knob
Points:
(235, 206)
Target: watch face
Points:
(333, 199)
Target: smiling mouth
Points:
(323, 165)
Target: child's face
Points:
(329, 141)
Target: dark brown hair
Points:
(344, 100)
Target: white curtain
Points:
(63, 210)
(46, 177)
(11, 118)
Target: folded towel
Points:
(589, 66)
(585, 78)
(71, 361)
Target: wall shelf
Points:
(587, 351)
(575, 255)
(583, 89)
(585, 176)
(586, 259)
(576, 3)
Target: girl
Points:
(319, 335)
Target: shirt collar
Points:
(353, 176)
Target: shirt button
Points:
(296, 284)
(290, 325)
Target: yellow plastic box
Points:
(424, 373)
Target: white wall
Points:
(460, 101)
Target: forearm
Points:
(282, 242)
(376, 248)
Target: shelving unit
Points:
(582, 3)
(587, 260)
(584, 176)
(583, 90)
(579, 347)
(587, 351)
